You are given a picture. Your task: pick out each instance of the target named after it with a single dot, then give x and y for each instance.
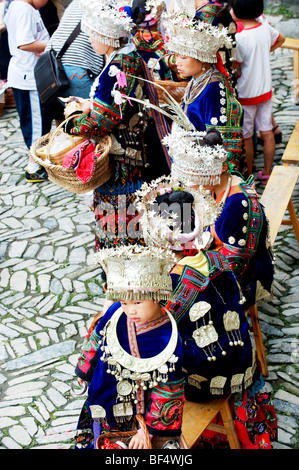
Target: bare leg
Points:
(269, 151)
(249, 152)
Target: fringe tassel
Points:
(141, 295)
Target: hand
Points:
(80, 382)
(75, 105)
(85, 106)
(137, 441)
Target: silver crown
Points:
(193, 162)
(137, 272)
(105, 21)
(195, 38)
(161, 226)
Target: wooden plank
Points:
(291, 153)
(291, 43)
(228, 423)
(277, 194)
(197, 416)
(260, 350)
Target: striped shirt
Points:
(80, 53)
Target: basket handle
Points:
(158, 60)
(58, 128)
(141, 422)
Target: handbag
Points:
(51, 80)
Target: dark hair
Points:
(247, 9)
(212, 137)
(176, 201)
(139, 11)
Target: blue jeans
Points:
(80, 81)
(35, 117)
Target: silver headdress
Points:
(161, 226)
(105, 21)
(194, 38)
(155, 7)
(193, 162)
(137, 272)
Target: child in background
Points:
(133, 359)
(27, 39)
(254, 44)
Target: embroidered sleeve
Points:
(88, 359)
(99, 121)
(165, 409)
(106, 112)
(237, 237)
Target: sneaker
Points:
(37, 177)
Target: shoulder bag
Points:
(50, 77)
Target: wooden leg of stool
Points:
(229, 426)
(294, 218)
(258, 339)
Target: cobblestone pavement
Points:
(50, 290)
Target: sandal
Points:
(263, 178)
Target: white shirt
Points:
(253, 53)
(24, 26)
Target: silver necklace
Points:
(131, 372)
(196, 86)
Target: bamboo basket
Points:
(65, 177)
(43, 146)
(156, 442)
(175, 89)
(126, 436)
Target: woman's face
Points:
(98, 46)
(141, 311)
(188, 66)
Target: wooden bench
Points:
(291, 153)
(291, 43)
(276, 199)
(197, 418)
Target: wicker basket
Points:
(67, 179)
(159, 441)
(126, 436)
(156, 442)
(43, 147)
(175, 89)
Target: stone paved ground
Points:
(50, 290)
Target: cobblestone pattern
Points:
(50, 291)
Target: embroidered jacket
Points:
(151, 47)
(217, 106)
(243, 240)
(136, 154)
(162, 405)
(210, 353)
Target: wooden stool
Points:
(293, 43)
(256, 329)
(198, 416)
(291, 152)
(277, 198)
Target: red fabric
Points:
(81, 158)
(256, 99)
